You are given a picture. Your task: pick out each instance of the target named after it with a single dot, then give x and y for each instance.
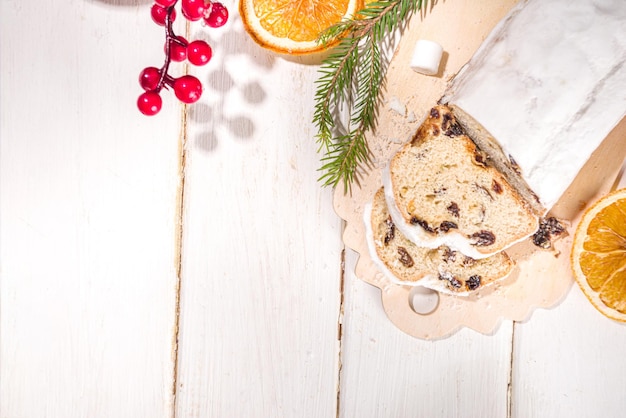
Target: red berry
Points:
(218, 15)
(193, 9)
(149, 103)
(188, 89)
(149, 78)
(159, 13)
(199, 52)
(165, 3)
(178, 50)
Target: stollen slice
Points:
(442, 190)
(442, 269)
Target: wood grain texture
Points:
(568, 360)
(90, 249)
(261, 247)
(387, 373)
(569, 363)
(88, 215)
(621, 178)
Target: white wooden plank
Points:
(386, 373)
(88, 214)
(262, 245)
(569, 362)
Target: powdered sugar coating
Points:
(549, 86)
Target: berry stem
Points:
(187, 88)
(169, 37)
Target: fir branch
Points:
(352, 76)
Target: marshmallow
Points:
(426, 57)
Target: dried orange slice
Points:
(599, 255)
(293, 26)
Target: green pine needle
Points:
(350, 79)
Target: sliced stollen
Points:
(442, 190)
(548, 84)
(441, 269)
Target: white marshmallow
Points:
(426, 57)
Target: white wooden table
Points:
(190, 264)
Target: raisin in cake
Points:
(441, 269)
(548, 84)
(442, 190)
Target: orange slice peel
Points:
(293, 26)
(598, 255)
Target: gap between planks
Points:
(509, 386)
(342, 276)
(178, 258)
(180, 199)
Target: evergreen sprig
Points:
(351, 78)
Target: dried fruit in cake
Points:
(443, 190)
(599, 255)
(292, 27)
(549, 228)
(441, 269)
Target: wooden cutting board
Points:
(541, 278)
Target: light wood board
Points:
(541, 278)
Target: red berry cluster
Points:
(187, 88)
